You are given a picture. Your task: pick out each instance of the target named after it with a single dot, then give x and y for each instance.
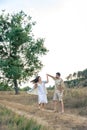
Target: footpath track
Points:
(48, 118)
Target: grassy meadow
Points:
(75, 101)
(12, 121)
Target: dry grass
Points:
(75, 101)
(12, 121)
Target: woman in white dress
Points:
(42, 92)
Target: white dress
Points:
(42, 93)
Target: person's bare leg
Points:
(55, 105)
(42, 106)
(62, 106)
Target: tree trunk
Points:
(16, 86)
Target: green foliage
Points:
(82, 82)
(85, 73)
(85, 83)
(50, 88)
(72, 83)
(19, 50)
(79, 79)
(5, 87)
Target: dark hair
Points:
(35, 80)
(58, 74)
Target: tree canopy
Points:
(19, 50)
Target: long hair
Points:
(35, 80)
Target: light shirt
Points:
(59, 85)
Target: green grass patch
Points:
(12, 121)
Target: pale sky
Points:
(63, 24)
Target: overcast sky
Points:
(63, 24)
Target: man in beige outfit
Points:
(58, 92)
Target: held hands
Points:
(47, 74)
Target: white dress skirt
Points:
(42, 93)
(42, 98)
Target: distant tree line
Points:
(77, 79)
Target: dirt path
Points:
(48, 118)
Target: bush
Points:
(5, 87)
(50, 88)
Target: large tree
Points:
(19, 50)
